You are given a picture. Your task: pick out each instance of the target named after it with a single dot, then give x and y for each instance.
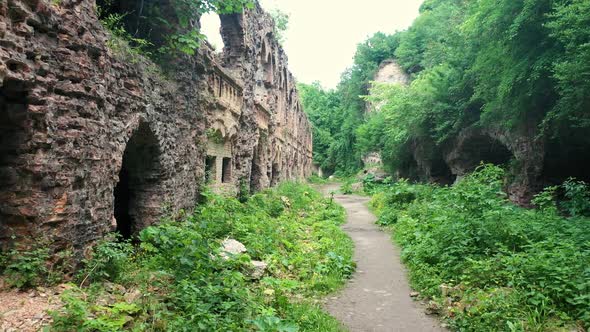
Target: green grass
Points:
(493, 266)
(180, 283)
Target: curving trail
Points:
(378, 296)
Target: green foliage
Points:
(346, 187)
(337, 114)
(495, 64)
(26, 268)
(113, 317)
(109, 261)
(545, 200)
(281, 24)
(122, 42)
(315, 179)
(184, 284)
(577, 198)
(34, 266)
(492, 265)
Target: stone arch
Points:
(473, 147)
(14, 135)
(267, 61)
(138, 193)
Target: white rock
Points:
(258, 270)
(230, 247)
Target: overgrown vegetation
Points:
(175, 280)
(509, 64)
(281, 24)
(34, 266)
(488, 264)
(336, 114)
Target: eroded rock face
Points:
(391, 72)
(93, 139)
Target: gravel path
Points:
(378, 296)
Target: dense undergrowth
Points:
(175, 279)
(488, 264)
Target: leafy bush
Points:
(109, 261)
(508, 268)
(26, 268)
(577, 198)
(185, 286)
(346, 187)
(34, 266)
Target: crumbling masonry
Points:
(94, 139)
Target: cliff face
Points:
(94, 139)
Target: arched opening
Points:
(258, 165)
(275, 174)
(482, 148)
(137, 195)
(211, 28)
(475, 148)
(13, 140)
(441, 173)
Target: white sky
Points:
(323, 34)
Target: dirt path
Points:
(378, 296)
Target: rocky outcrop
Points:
(389, 72)
(95, 138)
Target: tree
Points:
(281, 24)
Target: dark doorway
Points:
(13, 115)
(481, 148)
(122, 199)
(275, 174)
(137, 195)
(210, 168)
(259, 169)
(226, 173)
(567, 156)
(14, 135)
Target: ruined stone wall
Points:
(94, 139)
(281, 142)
